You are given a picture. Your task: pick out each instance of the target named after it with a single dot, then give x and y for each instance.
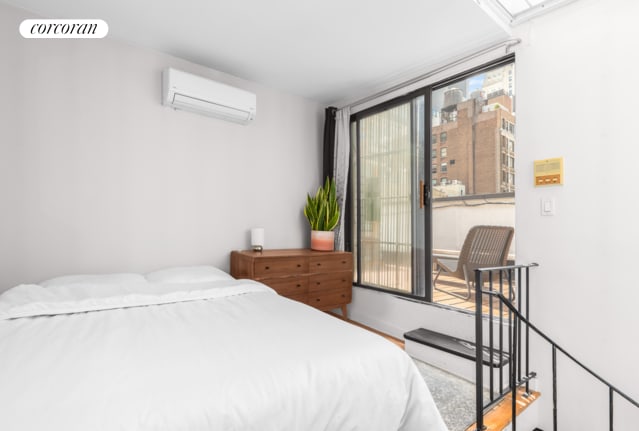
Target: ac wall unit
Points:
(181, 90)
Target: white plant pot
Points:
(322, 240)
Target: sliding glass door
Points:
(426, 167)
(388, 146)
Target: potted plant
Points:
(322, 213)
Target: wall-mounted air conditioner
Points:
(181, 90)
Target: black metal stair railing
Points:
(513, 316)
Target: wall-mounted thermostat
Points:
(549, 172)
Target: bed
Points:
(192, 348)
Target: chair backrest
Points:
(485, 246)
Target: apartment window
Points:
(508, 126)
(395, 232)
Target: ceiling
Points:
(329, 51)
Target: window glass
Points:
(476, 115)
(390, 239)
(403, 214)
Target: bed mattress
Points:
(217, 355)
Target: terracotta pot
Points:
(322, 240)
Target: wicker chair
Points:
(484, 247)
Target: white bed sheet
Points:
(204, 356)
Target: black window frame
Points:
(429, 182)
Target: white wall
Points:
(576, 98)
(576, 94)
(97, 176)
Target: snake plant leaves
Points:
(321, 210)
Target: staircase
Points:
(501, 365)
(463, 352)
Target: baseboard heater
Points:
(456, 346)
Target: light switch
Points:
(547, 206)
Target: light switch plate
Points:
(547, 206)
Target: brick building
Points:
(473, 144)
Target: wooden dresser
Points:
(322, 279)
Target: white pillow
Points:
(94, 279)
(188, 274)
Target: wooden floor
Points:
(399, 343)
(499, 417)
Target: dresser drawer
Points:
(330, 299)
(322, 279)
(330, 281)
(288, 286)
(333, 262)
(299, 298)
(269, 267)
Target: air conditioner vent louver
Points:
(193, 93)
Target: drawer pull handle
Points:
(299, 285)
(317, 283)
(299, 265)
(318, 300)
(267, 267)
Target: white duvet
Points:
(226, 355)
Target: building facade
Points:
(473, 145)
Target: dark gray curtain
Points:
(329, 143)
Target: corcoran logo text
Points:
(63, 28)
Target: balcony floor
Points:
(400, 276)
(449, 284)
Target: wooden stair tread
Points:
(499, 417)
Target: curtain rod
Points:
(505, 44)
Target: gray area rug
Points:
(454, 396)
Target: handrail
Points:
(515, 320)
(557, 346)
